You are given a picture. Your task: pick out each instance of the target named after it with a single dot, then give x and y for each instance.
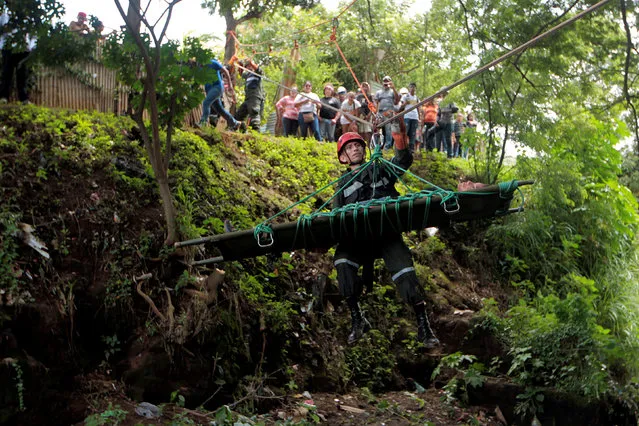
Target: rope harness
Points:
(449, 200)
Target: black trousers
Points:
(350, 255)
(250, 108)
(14, 61)
(429, 136)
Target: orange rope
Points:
(341, 12)
(371, 106)
(275, 52)
(346, 8)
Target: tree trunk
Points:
(169, 209)
(231, 25)
(160, 170)
(159, 163)
(133, 15)
(229, 52)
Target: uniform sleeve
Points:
(338, 201)
(403, 158)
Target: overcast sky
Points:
(188, 16)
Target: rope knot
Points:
(376, 155)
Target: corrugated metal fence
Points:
(88, 85)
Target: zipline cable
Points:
(502, 58)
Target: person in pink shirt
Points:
(287, 110)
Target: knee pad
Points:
(408, 285)
(347, 278)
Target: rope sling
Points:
(263, 232)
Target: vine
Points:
(19, 384)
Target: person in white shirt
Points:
(350, 108)
(307, 105)
(412, 118)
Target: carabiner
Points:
(269, 242)
(455, 206)
(377, 140)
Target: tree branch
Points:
(370, 14)
(170, 310)
(523, 75)
(626, 72)
(168, 18)
(251, 14)
(138, 41)
(169, 131)
(154, 308)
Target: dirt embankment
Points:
(82, 333)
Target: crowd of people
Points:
(435, 125)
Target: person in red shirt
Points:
(288, 111)
(430, 119)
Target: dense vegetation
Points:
(567, 266)
(555, 287)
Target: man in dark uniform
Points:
(253, 104)
(351, 254)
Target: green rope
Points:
(426, 212)
(447, 198)
(264, 228)
(506, 189)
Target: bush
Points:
(371, 361)
(573, 257)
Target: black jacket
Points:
(364, 189)
(446, 114)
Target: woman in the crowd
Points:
(288, 111)
(328, 116)
(307, 104)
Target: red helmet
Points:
(345, 139)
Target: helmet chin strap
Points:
(352, 163)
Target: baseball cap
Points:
(82, 15)
(387, 78)
(341, 90)
(403, 91)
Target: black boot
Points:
(424, 332)
(360, 324)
